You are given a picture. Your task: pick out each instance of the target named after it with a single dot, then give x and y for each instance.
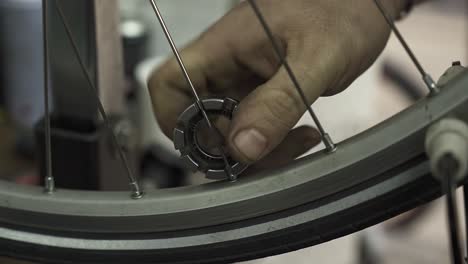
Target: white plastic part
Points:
(448, 137)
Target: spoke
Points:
(199, 103)
(136, 191)
(449, 167)
(327, 140)
(465, 203)
(428, 80)
(49, 177)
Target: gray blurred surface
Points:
(21, 55)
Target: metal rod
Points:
(428, 80)
(135, 187)
(49, 177)
(180, 61)
(465, 203)
(174, 49)
(329, 144)
(199, 103)
(449, 167)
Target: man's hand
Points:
(328, 43)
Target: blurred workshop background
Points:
(437, 31)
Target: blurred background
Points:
(437, 31)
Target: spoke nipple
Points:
(136, 192)
(137, 195)
(330, 146)
(430, 83)
(232, 178)
(49, 185)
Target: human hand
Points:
(328, 44)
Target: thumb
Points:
(266, 116)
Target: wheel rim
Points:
(363, 157)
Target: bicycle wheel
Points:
(368, 179)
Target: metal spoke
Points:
(199, 103)
(465, 203)
(428, 80)
(327, 140)
(49, 177)
(135, 187)
(449, 188)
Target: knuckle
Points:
(284, 107)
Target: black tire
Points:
(383, 205)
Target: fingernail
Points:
(251, 144)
